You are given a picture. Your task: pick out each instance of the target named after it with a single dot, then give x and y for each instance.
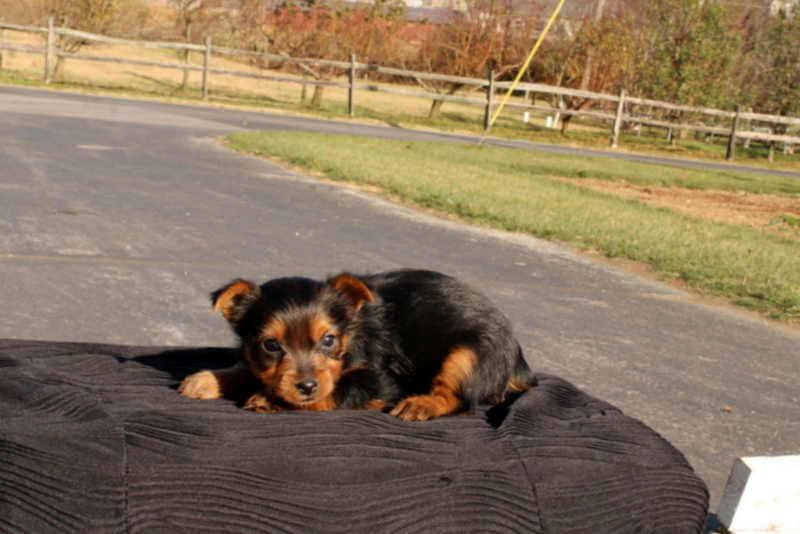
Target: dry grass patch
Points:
(768, 213)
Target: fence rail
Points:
(619, 102)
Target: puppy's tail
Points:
(522, 378)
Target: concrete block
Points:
(762, 495)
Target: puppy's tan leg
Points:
(259, 402)
(445, 395)
(215, 384)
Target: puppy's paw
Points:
(202, 385)
(420, 408)
(258, 402)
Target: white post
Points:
(48, 57)
(762, 495)
(618, 119)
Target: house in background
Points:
(777, 5)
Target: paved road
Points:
(73, 105)
(117, 218)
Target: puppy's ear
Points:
(233, 299)
(352, 289)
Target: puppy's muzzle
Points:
(306, 388)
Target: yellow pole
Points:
(526, 64)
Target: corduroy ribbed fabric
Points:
(94, 438)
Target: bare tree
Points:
(332, 32)
(488, 35)
(106, 17)
(188, 14)
(592, 51)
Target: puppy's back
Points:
(434, 314)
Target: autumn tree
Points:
(15, 11)
(331, 32)
(118, 18)
(488, 35)
(591, 52)
(193, 18)
(105, 17)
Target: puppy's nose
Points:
(307, 387)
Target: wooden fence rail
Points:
(617, 104)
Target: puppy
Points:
(416, 343)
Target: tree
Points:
(332, 32)
(590, 53)
(192, 18)
(106, 17)
(778, 57)
(778, 54)
(687, 54)
(489, 35)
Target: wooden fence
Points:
(616, 113)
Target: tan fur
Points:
(353, 288)
(261, 402)
(214, 384)
(376, 404)
(283, 380)
(275, 329)
(518, 386)
(444, 397)
(319, 326)
(231, 298)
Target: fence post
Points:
(1, 42)
(206, 64)
(48, 57)
(618, 119)
(732, 138)
(489, 94)
(351, 109)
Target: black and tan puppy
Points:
(417, 343)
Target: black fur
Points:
(398, 335)
(418, 317)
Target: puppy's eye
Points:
(328, 341)
(271, 346)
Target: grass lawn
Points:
(515, 190)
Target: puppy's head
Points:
(295, 333)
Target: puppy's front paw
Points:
(202, 385)
(420, 408)
(258, 402)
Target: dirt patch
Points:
(769, 213)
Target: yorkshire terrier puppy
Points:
(418, 344)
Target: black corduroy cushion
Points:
(94, 438)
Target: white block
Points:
(762, 495)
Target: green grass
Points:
(512, 190)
